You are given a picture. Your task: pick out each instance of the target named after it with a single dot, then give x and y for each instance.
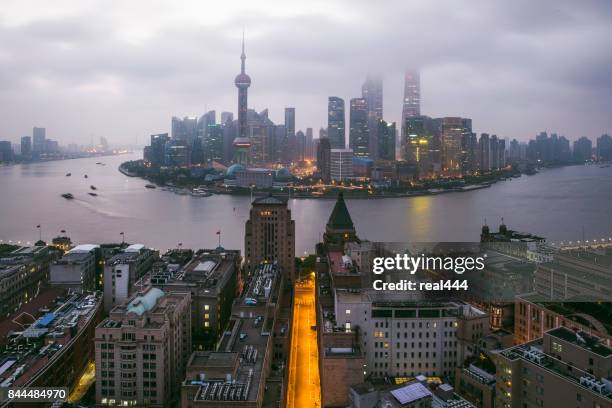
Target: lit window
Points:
(206, 324)
(206, 307)
(348, 311)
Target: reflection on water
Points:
(556, 203)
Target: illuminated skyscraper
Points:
(359, 136)
(335, 122)
(242, 81)
(412, 97)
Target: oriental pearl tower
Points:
(242, 142)
(242, 81)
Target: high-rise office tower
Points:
(26, 147)
(38, 140)
(386, 140)
(289, 144)
(412, 96)
(309, 152)
(158, 149)
(242, 82)
(417, 144)
(300, 144)
(335, 122)
(372, 92)
(270, 235)
(290, 121)
(359, 135)
(324, 158)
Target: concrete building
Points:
(341, 164)
(76, 269)
(142, 350)
(403, 338)
(211, 277)
(235, 374)
(54, 349)
(123, 270)
(22, 273)
(563, 368)
(476, 384)
(270, 235)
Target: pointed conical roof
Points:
(340, 219)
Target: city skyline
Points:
(116, 82)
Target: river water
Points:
(561, 204)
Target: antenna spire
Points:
(243, 55)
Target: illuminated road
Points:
(304, 388)
(88, 377)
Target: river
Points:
(564, 203)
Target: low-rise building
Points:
(22, 272)
(76, 269)
(55, 348)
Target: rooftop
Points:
(340, 219)
(270, 200)
(28, 351)
(145, 302)
(582, 340)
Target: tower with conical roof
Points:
(340, 227)
(242, 82)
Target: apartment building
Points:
(142, 349)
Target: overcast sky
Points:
(122, 69)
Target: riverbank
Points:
(180, 183)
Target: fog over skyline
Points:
(85, 69)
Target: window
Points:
(348, 311)
(206, 307)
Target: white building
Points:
(341, 164)
(76, 269)
(123, 270)
(408, 338)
